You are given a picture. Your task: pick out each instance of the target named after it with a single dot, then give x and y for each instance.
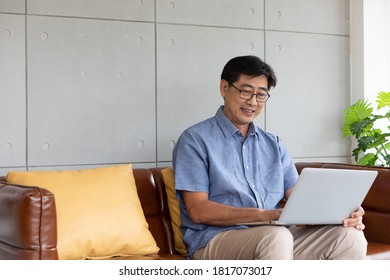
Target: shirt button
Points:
(247, 167)
(253, 186)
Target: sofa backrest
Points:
(153, 197)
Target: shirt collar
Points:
(228, 128)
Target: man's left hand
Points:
(356, 220)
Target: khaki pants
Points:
(281, 243)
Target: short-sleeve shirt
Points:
(214, 157)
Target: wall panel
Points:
(227, 13)
(307, 105)
(12, 91)
(13, 6)
(313, 16)
(142, 10)
(91, 91)
(188, 80)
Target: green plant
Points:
(373, 144)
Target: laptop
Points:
(324, 196)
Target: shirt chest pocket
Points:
(273, 182)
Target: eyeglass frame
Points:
(252, 94)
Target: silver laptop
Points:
(324, 196)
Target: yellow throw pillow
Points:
(174, 209)
(99, 214)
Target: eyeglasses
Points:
(247, 95)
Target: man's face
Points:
(240, 111)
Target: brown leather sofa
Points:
(28, 227)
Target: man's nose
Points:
(253, 100)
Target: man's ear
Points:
(223, 85)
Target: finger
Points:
(358, 213)
(353, 222)
(360, 226)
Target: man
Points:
(229, 171)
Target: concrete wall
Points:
(98, 82)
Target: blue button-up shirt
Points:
(214, 157)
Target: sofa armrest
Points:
(28, 226)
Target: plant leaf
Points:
(368, 159)
(387, 160)
(362, 127)
(383, 99)
(354, 113)
(369, 142)
(356, 153)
